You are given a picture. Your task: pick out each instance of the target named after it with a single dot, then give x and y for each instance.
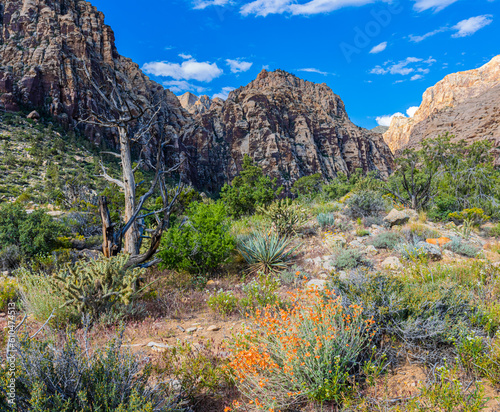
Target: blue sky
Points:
(378, 55)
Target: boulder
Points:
(316, 284)
(397, 217)
(431, 251)
(34, 115)
(392, 262)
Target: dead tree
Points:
(134, 120)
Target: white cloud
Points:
(386, 120)
(312, 70)
(179, 86)
(411, 111)
(418, 39)
(187, 70)
(469, 26)
(405, 67)
(223, 94)
(238, 66)
(203, 4)
(397, 68)
(416, 77)
(436, 5)
(185, 56)
(379, 48)
(266, 7)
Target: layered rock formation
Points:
(194, 104)
(289, 126)
(466, 104)
(44, 47)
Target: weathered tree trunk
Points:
(110, 246)
(132, 235)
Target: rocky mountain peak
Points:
(289, 126)
(46, 47)
(465, 104)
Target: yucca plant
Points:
(267, 252)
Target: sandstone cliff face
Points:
(194, 104)
(289, 126)
(465, 104)
(44, 46)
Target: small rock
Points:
(328, 266)
(392, 262)
(371, 249)
(34, 115)
(397, 218)
(432, 252)
(343, 275)
(181, 328)
(323, 275)
(317, 284)
(213, 328)
(356, 243)
(191, 330)
(338, 240)
(158, 347)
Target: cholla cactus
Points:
(94, 286)
(285, 216)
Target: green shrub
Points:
(200, 370)
(308, 186)
(267, 252)
(8, 292)
(459, 246)
(285, 216)
(495, 231)
(414, 311)
(417, 232)
(364, 204)
(357, 181)
(349, 259)
(291, 356)
(386, 240)
(224, 303)
(33, 233)
(251, 188)
(260, 292)
(410, 251)
(94, 287)
(444, 204)
(360, 232)
(325, 220)
(293, 276)
(448, 394)
(319, 207)
(64, 375)
(202, 244)
(10, 257)
(40, 299)
(337, 188)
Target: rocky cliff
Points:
(44, 47)
(289, 126)
(466, 104)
